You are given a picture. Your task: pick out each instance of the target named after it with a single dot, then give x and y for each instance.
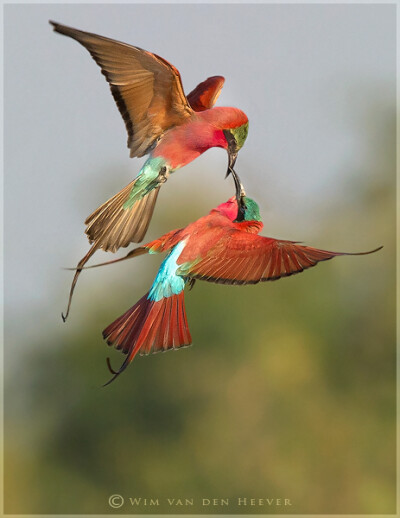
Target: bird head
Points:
(249, 209)
(232, 127)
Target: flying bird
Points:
(173, 129)
(214, 248)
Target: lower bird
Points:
(215, 248)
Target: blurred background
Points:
(289, 388)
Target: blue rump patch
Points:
(167, 283)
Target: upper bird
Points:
(214, 248)
(173, 129)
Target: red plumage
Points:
(204, 96)
(202, 131)
(149, 326)
(214, 248)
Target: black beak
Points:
(238, 184)
(232, 161)
(241, 211)
(240, 192)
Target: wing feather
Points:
(147, 89)
(204, 96)
(243, 258)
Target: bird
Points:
(215, 248)
(173, 129)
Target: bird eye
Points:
(163, 169)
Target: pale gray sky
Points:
(316, 81)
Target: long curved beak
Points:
(240, 192)
(231, 163)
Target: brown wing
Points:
(205, 95)
(147, 89)
(249, 259)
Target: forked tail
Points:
(114, 225)
(149, 326)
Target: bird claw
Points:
(163, 175)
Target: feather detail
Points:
(244, 258)
(146, 88)
(204, 96)
(112, 226)
(149, 326)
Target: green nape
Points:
(240, 134)
(252, 211)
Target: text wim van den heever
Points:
(211, 502)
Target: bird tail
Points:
(116, 224)
(81, 266)
(149, 326)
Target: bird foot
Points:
(163, 175)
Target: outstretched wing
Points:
(249, 259)
(147, 89)
(205, 95)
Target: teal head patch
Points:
(251, 211)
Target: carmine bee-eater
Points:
(162, 122)
(214, 248)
